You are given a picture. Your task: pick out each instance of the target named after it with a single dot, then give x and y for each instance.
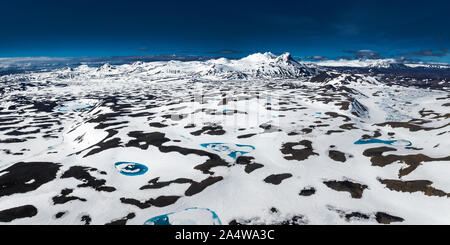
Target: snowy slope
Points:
(260, 140)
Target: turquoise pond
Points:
(189, 216)
(131, 168)
(232, 150)
(387, 142)
(69, 107)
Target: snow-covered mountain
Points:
(270, 65)
(259, 65)
(361, 63)
(378, 63)
(255, 66)
(429, 66)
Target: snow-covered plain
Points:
(260, 140)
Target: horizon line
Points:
(205, 57)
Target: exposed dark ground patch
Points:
(144, 140)
(337, 115)
(20, 212)
(309, 191)
(377, 151)
(355, 189)
(197, 187)
(211, 130)
(268, 128)
(21, 133)
(60, 214)
(376, 134)
(23, 177)
(413, 160)
(44, 106)
(160, 201)
(64, 197)
(250, 166)
(12, 140)
(298, 154)
(384, 218)
(158, 125)
(337, 155)
(276, 179)
(412, 127)
(356, 215)
(380, 217)
(324, 77)
(307, 130)
(175, 117)
(106, 125)
(156, 184)
(86, 219)
(294, 220)
(194, 188)
(329, 132)
(245, 136)
(122, 221)
(413, 186)
(82, 173)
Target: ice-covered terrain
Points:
(260, 140)
(379, 63)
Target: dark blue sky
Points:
(409, 29)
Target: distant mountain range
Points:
(258, 65)
(379, 63)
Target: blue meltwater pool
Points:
(387, 142)
(189, 216)
(131, 168)
(232, 150)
